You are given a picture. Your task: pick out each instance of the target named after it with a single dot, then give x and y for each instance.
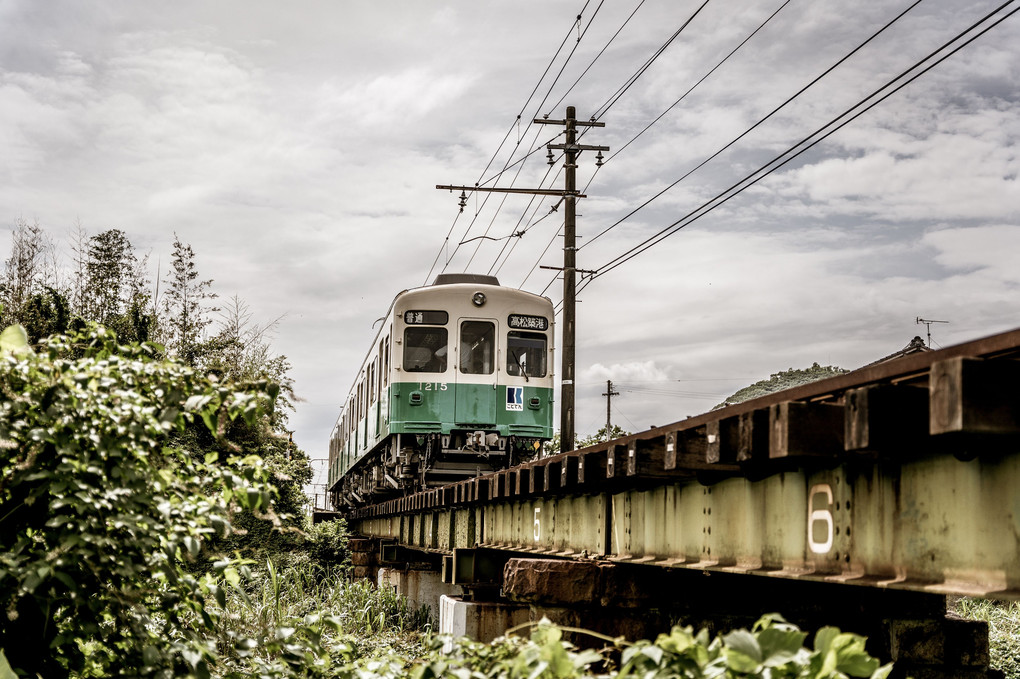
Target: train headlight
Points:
(478, 299)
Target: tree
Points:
(24, 272)
(111, 285)
(552, 446)
(186, 314)
(240, 353)
(47, 313)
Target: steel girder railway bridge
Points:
(900, 476)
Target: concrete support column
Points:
(421, 586)
(479, 620)
(364, 557)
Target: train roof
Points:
(476, 278)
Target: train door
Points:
(476, 373)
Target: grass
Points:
(374, 621)
(1003, 618)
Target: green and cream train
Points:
(458, 382)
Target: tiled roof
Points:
(915, 346)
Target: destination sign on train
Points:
(524, 322)
(426, 317)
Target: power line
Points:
(619, 93)
(515, 123)
(569, 56)
(609, 103)
(746, 132)
(703, 78)
(601, 52)
(779, 161)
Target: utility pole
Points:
(609, 394)
(570, 149)
(569, 195)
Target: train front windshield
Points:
(526, 352)
(425, 350)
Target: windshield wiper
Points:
(524, 371)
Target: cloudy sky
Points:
(296, 147)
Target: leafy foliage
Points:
(184, 304)
(109, 285)
(552, 446)
(326, 544)
(784, 379)
(773, 649)
(99, 520)
(27, 273)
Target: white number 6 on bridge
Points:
(820, 516)
(538, 525)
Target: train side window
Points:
(425, 350)
(477, 347)
(525, 353)
(371, 377)
(386, 361)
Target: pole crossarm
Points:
(576, 147)
(495, 189)
(575, 123)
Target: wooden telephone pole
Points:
(609, 394)
(571, 149)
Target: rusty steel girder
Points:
(902, 475)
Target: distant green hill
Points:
(783, 380)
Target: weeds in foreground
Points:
(361, 620)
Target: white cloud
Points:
(297, 151)
(991, 251)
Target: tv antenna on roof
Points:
(927, 322)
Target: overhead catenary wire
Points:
(513, 125)
(537, 202)
(609, 103)
(533, 149)
(569, 56)
(445, 246)
(597, 56)
(659, 117)
(817, 136)
(502, 201)
(620, 92)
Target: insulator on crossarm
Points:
(599, 162)
(463, 201)
(549, 158)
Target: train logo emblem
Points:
(515, 398)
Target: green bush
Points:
(326, 544)
(99, 521)
(773, 649)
